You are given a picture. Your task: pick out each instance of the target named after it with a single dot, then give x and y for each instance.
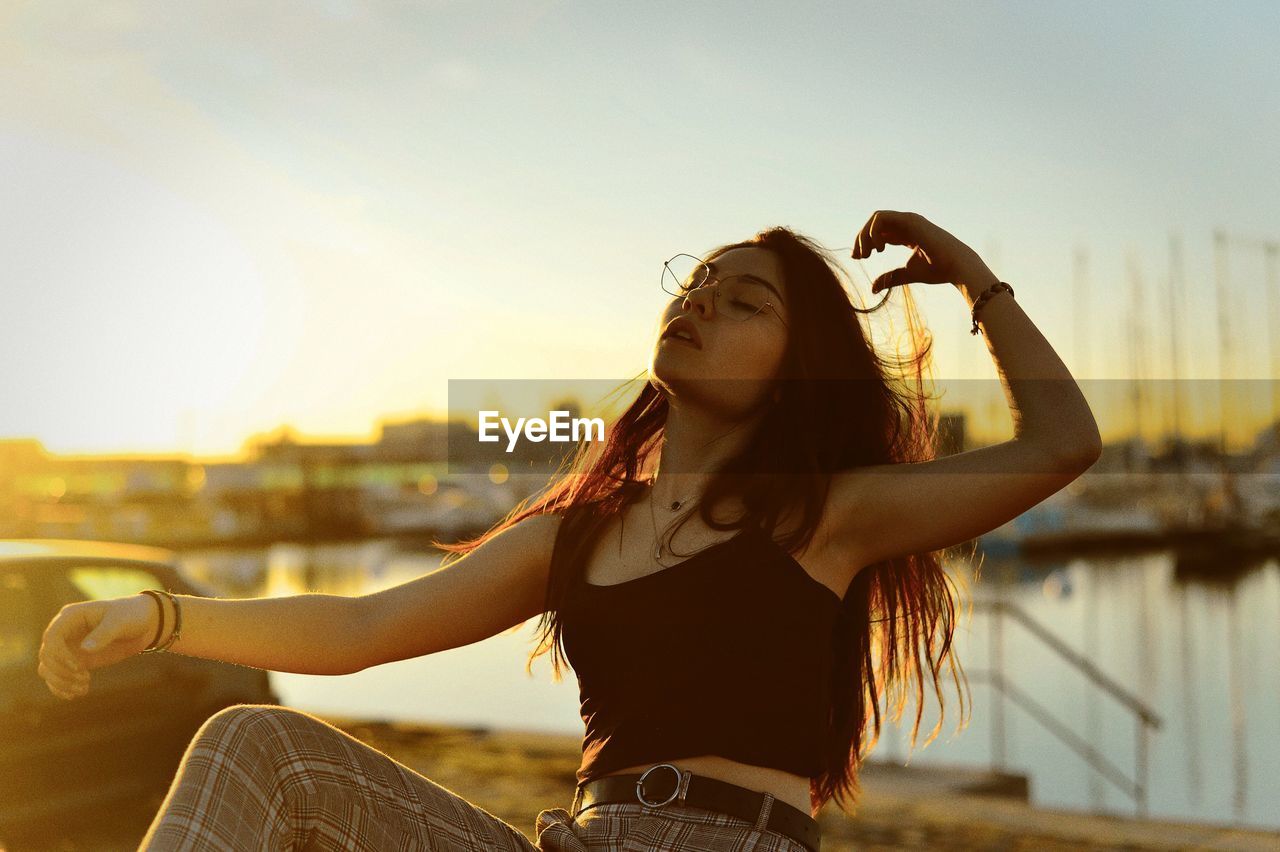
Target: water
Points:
(1204, 657)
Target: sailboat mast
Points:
(1224, 338)
(1175, 298)
(1135, 352)
(1080, 290)
(1272, 251)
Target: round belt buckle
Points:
(645, 774)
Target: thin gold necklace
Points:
(659, 550)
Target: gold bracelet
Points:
(155, 640)
(177, 622)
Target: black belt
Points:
(659, 788)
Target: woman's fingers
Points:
(68, 692)
(876, 236)
(918, 268)
(884, 227)
(54, 653)
(936, 257)
(64, 679)
(69, 688)
(62, 670)
(885, 281)
(64, 685)
(57, 668)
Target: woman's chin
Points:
(670, 371)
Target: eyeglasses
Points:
(738, 297)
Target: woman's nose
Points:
(703, 300)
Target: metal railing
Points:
(1145, 718)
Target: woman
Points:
(736, 574)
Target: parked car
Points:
(121, 742)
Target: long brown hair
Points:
(842, 405)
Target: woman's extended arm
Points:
(307, 634)
(499, 585)
(310, 633)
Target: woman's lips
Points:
(677, 339)
(686, 326)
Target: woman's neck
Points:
(694, 445)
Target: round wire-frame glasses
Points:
(673, 285)
(743, 293)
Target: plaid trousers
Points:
(263, 777)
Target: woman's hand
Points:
(117, 629)
(938, 257)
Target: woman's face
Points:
(733, 364)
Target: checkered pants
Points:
(262, 777)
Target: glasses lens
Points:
(741, 298)
(683, 273)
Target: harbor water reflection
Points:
(1203, 653)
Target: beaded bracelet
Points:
(983, 298)
(177, 620)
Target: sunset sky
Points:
(223, 217)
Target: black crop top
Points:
(727, 652)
